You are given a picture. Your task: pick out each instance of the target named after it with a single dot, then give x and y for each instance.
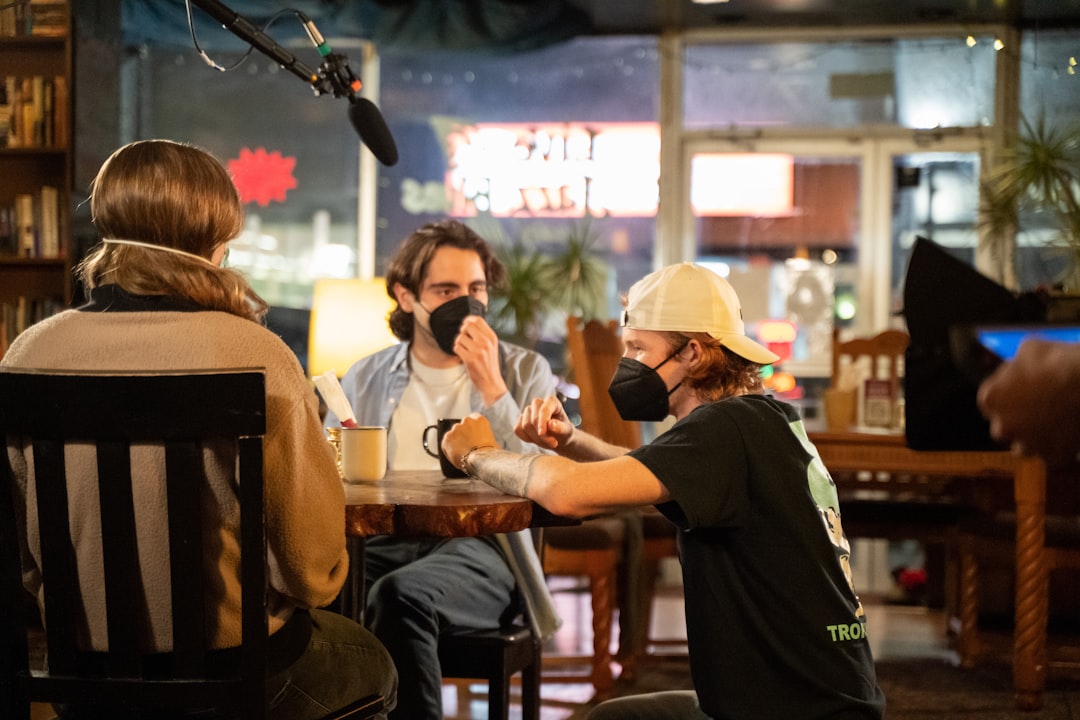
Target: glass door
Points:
(815, 234)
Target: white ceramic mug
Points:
(363, 453)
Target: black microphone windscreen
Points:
(371, 127)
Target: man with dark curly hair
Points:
(449, 364)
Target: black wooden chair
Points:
(496, 656)
(491, 655)
(112, 411)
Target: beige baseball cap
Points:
(689, 298)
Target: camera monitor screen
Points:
(943, 293)
(1005, 341)
(979, 349)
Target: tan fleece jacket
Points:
(305, 500)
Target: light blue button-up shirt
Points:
(374, 386)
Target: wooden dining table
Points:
(876, 450)
(424, 504)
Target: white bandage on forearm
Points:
(503, 470)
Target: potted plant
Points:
(579, 274)
(549, 276)
(518, 309)
(1037, 182)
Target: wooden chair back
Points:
(882, 354)
(598, 546)
(112, 412)
(595, 349)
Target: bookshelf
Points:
(35, 163)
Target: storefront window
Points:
(294, 157)
(528, 148)
(915, 83)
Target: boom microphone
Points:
(334, 75)
(371, 127)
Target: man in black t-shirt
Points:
(775, 627)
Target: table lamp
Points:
(348, 321)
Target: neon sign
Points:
(553, 170)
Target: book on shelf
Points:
(15, 18)
(25, 232)
(9, 246)
(21, 313)
(9, 111)
(33, 111)
(48, 18)
(7, 97)
(30, 227)
(60, 101)
(42, 18)
(49, 229)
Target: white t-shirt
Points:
(432, 394)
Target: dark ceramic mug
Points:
(442, 427)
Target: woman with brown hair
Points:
(159, 301)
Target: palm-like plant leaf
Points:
(579, 275)
(1039, 173)
(519, 308)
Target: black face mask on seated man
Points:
(445, 320)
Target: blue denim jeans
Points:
(421, 589)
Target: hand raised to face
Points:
(478, 347)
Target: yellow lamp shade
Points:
(348, 321)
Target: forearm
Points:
(584, 447)
(559, 484)
(507, 471)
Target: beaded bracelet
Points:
(465, 458)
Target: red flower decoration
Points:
(261, 176)
(912, 579)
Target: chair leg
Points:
(602, 585)
(968, 640)
(630, 657)
(499, 696)
(530, 688)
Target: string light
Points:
(807, 56)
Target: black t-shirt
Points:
(775, 628)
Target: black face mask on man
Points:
(445, 321)
(638, 391)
